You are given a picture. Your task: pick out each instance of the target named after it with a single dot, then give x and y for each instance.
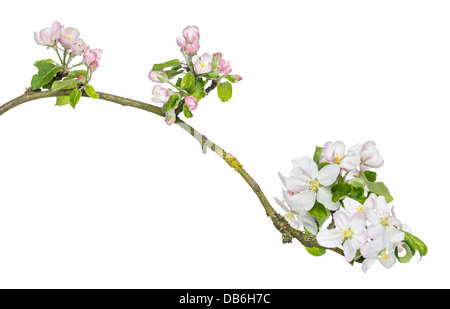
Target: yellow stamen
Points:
(338, 158)
(314, 185)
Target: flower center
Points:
(384, 222)
(314, 185)
(69, 37)
(347, 234)
(360, 208)
(338, 158)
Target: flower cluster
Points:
(337, 185)
(67, 44)
(198, 70)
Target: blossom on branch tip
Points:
(370, 156)
(91, 58)
(160, 94)
(202, 64)
(310, 183)
(158, 76)
(80, 47)
(69, 36)
(224, 67)
(191, 103)
(49, 36)
(336, 153)
(191, 34)
(349, 231)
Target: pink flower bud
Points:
(224, 67)
(94, 65)
(170, 117)
(217, 57)
(81, 78)
(202, 64)
(158, 76)
(191, 49)
(181, 42)
(191, 103)
(91, 57)
(191, 34)
(160, 94)
(68, 37)
(237, 78)
(79, 47)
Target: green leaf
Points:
(316, 251)
(225, 91)
(90, 91)
(416, 244)
(187, 112)
(36, 82)
(74, 97)
(188, 82)
(319, 211)
(322, 165)
(340, 191)
(378, 188)
(172, 73)
(46, 73)
(371, 176)
(60, 101)
(40, 62)
(76, 73)
(231, 79)
(160, 66)
(170, 104)
(65, 84)
(357, 182)
(408, 255)
(317, 154)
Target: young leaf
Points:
(224, 91)
(408, 255)
(160, 66)
(317, 154)
(170, 104)
(74, 97)
(90, 91)
(40, 62)
(45, 75)
(65, 84)
(318, 211)
(416, 244)
(188, 82)
(340, 191)
(378, 188)
(60, 101)
(371, 176)
(315, 251)
(76, 73)
(187, 112)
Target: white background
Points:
(107, 196)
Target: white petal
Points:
(308, 167)
(281, 204)
(367, 264)
(328, 174)
(340, 219)
(295, 184)
(357, 222)
(329, 238)
(349, 251)
(387, 259)
(324, 197)
(351, 206)
(308, 221)
(350, 162)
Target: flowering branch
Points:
(336, 185)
